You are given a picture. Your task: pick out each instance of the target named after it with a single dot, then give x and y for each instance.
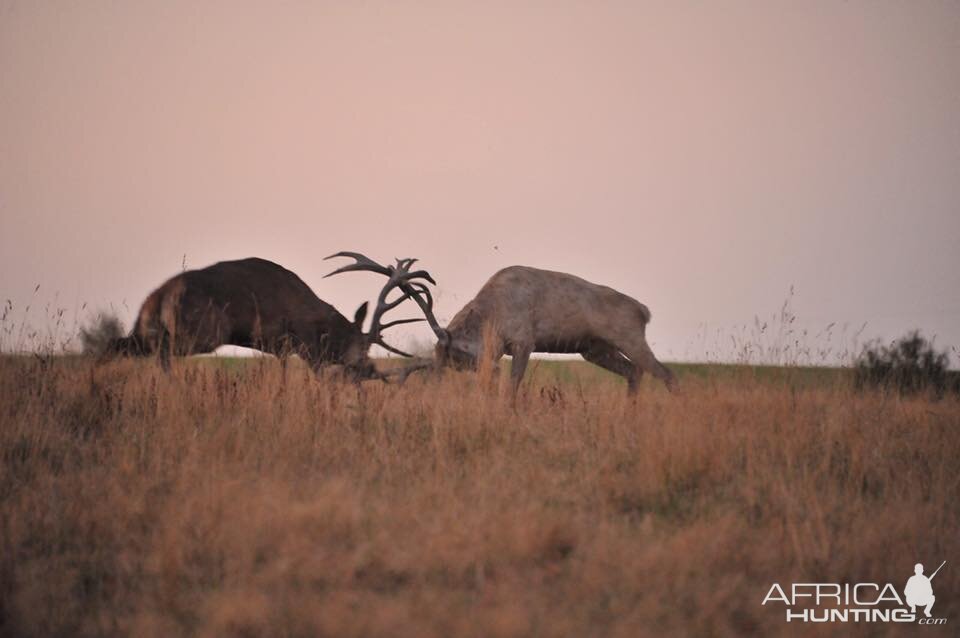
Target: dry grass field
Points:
(249, 500)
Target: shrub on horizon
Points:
(909, 365)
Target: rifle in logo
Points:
(938, 569)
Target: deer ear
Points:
(360, 315)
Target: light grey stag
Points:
(529, 310)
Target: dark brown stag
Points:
(527, 310)
(258, 304)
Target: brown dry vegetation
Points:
(253, 501)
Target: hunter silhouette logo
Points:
(919, 592)
(858, 602)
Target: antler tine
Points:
(390, 305)
(383, 344)
(414, 290)
(362, 263)
(421, 274)
(403, 267)
(397, 322)
(423, 290)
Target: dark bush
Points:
(98, 336)
(910, 365)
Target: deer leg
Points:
(521, 356)
(643, 357)
(163, 350)
(609, 358)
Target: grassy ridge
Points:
(542, 372)
(245, 499)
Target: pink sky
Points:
(702, 158)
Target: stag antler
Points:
(399, 277)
